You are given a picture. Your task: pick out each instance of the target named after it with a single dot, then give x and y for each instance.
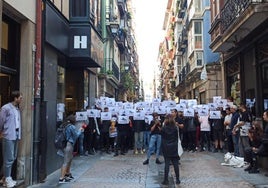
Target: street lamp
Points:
(113, 27)
(126, 66)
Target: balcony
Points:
(122, 6)
(235, 22)
(112, 70)
(121, 39)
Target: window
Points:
(198, 35)
(198, 5)
(199, 58)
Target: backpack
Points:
(60, 140)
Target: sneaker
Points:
(146, 162)
(157, 161)
(178, 181)
(136, 152)
(141, 152)
(9, 182)
(69, 176)
(64, 180)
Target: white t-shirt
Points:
(204, 123)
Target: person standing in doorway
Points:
(10, 127)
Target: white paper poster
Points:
(189, 112)
(123, 120)
(215, 114)
(106, 115)
(81, 116)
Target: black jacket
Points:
(169, 141)
(138, 125)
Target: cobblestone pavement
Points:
(196, 170)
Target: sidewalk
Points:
(196, 170)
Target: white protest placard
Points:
(212, 106)
(148, 110)
(81, 116)
(215, 114)
(129, 112)
(171, 104)
(114, 110)
(60, 107)
(203, 112)
(160, 110)
(123, 112)
(106, 116)
(191, 103)
(189, 112)
(148, 119)
(98, 103)
(92, 113)
(128, 105)
(222, 103)
(184, 101)
(181, 107)
(156, 102)
(139, 116)
(119, 104)
(98, 113)
(123, 120)
(216, 98)
(110, 102)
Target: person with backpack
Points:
(71, 134)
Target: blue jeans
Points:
(81, 143)
(146, 139)
(10, 150)
(236, 145)
(138, 137)
(155, 139)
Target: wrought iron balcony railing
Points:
(112, 68)
(232, 10)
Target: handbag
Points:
(180, 150)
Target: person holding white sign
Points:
(123, 129)
(104, 133)
(217, 130)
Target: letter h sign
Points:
(80, 42)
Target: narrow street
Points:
(196, 169)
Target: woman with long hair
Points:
(169, 146)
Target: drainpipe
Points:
(37, 96)
(104, 36)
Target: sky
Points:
(149, 20)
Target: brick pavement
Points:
(196, 170)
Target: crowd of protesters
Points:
(235, 132)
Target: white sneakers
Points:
(10, 182)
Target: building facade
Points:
(18, 27)
(238, 32)
(189, 68)
(62, 55)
